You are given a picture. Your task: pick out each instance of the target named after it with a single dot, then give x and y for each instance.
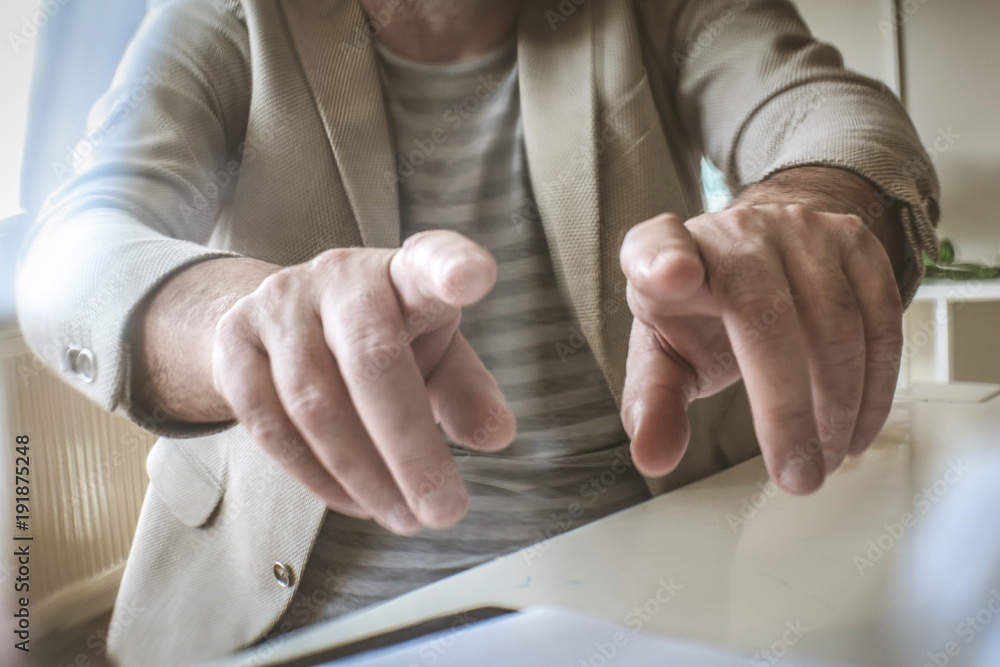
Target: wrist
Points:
(174, 337)
(833, 190)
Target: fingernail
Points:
(858, 444)
(442, 508)
(402, 521)
(832, 460)
(651, 265)
(801, 475)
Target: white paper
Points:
(954, 392)
(546, 637)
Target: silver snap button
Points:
(81, 362)
(283, 573)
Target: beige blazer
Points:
(256, 127)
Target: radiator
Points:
(87, 483)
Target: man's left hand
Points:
(802, 305)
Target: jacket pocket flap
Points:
(190, 491)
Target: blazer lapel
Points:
(338, 59)
(556, 70)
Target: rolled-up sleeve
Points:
(760, 95)
(140, 201)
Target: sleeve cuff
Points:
(80, 281)
(857, 128)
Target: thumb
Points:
(658, 387)
(441, 266)
(662, 262)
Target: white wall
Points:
(951, 68)
(952, 52)
(863, 30)
(17, 19)
(952, 56)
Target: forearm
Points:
(831, 190)
(173, 334)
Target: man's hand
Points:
(803, 305)
(342, 367)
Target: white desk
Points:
(944, 294)
(737, 587)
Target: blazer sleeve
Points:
(758, 94)
(141, 193)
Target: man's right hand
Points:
(342, 367)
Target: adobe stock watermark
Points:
(750, 506)
(304, 610)
(907, 9)
(497, 417)
(967, 630)
(416, 325)
(753, 329)
(562, 13)
(708, 34)
(126, 612)
(590, 492)
(433, 651)
(227, 175)
(31, 25)
(409, 160)
(100, 471)
(893, 533)
(607, 650)
(794, 631)
(124, 104)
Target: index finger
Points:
(665, 273)
(364, 329)
(373, 305)
(747, 278)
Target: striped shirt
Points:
(461, 166)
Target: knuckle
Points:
(369, 351)
(889, 331)
(880, 405)
(307, 405)
(277, 285)
(889, 339)
(274, 298)
(267, 430)
(744, 256)
(232, 326)
(366, 302)
(333, 262)
(367, 313)
(840, 413)
(350, 471)
(858, 239)
(234, 336)
(742, 224)
(846, 346)
(841, 333)
(795, 432)
(856, 230)
(742, 215)
(798, 212)
(748, 304)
